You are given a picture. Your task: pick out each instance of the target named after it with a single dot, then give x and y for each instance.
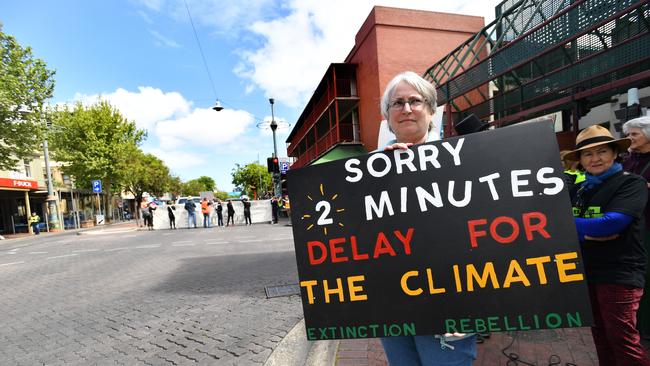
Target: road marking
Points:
(37, 252)
(216, 242)
(9, 264)
(183, 245)
(62, 256)
(182, 242)
(129, 236)
(85, 250)
(252, 241)
(148, 246)
(114, 249)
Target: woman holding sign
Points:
(408, 104)
(608, 207)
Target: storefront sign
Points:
(469, 234)
(18, 183)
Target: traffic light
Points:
(273, 165)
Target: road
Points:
(181, 297)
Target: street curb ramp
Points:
(295, 350)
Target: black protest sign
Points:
(468, 234)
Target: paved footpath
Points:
(548, 347)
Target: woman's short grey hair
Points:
(642, 123)
(426, 89)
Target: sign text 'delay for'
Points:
(469, 234)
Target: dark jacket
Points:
(190, 206)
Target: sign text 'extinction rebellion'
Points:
(468, 234)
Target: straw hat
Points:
(594, 136)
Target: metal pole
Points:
(274, 126)
(53, 210)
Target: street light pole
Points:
(274, 126)
(52, 207)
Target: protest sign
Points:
(469, 234)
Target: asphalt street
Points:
(181, 297)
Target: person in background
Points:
(608, 209)
(247, 211)
(144, 212)
(274, 210)
(151, 207)
(205, 209)
(172, 216)
(34, 221)
(219, 213)
(408, 104)
(637, 161)
(190, 207)
(231, 214)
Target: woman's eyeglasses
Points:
(399, 104)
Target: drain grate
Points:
(281, 290)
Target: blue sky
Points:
(143, 57)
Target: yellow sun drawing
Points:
(323, 211)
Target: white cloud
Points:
(163, 41)
(203, 128)
(298, 47)
(145, 107)
(178, 159)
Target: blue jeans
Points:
(427, 351)
(191, 217)
(206, 220)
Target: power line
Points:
(205, 63)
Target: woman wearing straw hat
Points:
(609, 208)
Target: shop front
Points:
(18, 198)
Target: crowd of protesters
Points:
(212, 211)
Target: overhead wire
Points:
(205, 63)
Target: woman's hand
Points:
(455, 334)
(398, 145)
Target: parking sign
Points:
(284, 166)
(97, 186)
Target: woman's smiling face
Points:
(409, 114)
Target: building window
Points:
(28, 168)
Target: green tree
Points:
(192, 187)
(146, 173)
(249, 177)
(94, 142)
(208, 183)
(175, 186)
(25, 84)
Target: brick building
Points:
(343, 117)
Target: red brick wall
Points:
(395, 40)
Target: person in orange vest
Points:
(205, 209)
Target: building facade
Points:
(342, 118)
(578, 63)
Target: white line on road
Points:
(216, 242)
(182, 242)
(85, 250)
(252, 241)
(114, 249)
(37, 252)
(148, 246)
(62, 256)
(183, 245)
(9, 264)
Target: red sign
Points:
(18, 183)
